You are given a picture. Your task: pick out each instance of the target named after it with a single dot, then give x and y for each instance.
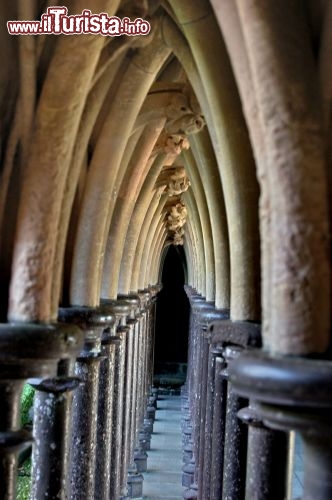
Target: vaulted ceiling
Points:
(114, 148)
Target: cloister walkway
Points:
(164, 476)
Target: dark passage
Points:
(172, 321)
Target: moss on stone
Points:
(24, 481)
(26, 404)
(24, 472)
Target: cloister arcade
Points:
(211, 133)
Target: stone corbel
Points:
(175, 220)
(177, 217)
(170, 144)
(183, 113)
(178, 182)
(178, 237)
(174, 181)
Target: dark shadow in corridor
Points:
(172, 321)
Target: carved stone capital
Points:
(171, 144)
(178, 182)
(177, 216)
(178, 238)
(173, 180)
(185, 125)
(183, 113)
(175, 219)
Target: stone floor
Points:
(163, 479)
(297, 485)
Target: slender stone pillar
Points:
(218, 429)
(267, 466)
(52, 430)
(117, 428)
(293, 394)
(154, 290)
(121, 310)
(109, 345)
(235, 450)
(27, 352)
(226, 458)
(146, 303)
(130, 389)
(205, 319)
(192, 344)
(139, 455)
(214, 353)
(135, 406)
(189, 471)
(187, 399)
(85, 401)
(202, 311)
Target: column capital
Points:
(298, 383)
(20, 344)
(242, 333)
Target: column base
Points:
(148, 425)
(135, 486)
(144, 441)
(188, 474)
(191, 493)
(188, 453)
(141, 460)
(151, 412)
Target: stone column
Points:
(267, 464)
(152, 402)
(293, 394)
(188, 403)
(206, 317)
(52, 430)
(214, 352)
(142, 428)
(228, 453)
(121, 310)
(130, 394)
(202, 312)
(235, 447)
(85, 402)
(218, 429)
(144, 423)
(109, 345)
(28, 351)
(154, 291)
